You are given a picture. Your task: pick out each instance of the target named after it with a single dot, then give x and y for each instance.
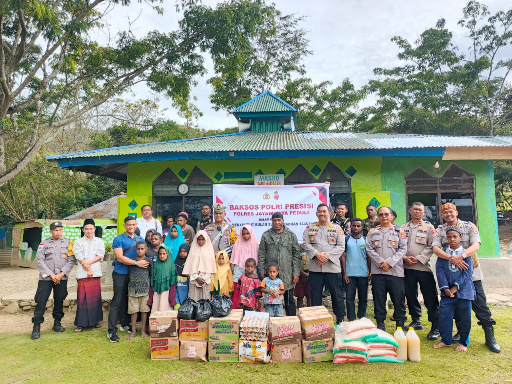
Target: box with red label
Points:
(251, 351)
(287, 353)
(223, 351)
(163, 324)
(317, 324)
(285, 330)
(317, 351)
(192, 350)
(193, 330)
(165, 348)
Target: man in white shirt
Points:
(147, 221)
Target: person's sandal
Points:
(79, 329)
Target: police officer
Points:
(471, 242)
(54, 262)
(324, 243)
(386, 246)
(417, 270)
(222, 234)
(206, 211)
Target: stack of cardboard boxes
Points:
(193, 340)
(223, 336)
(163, 332)
(253, 346)
(285, 338)
(318, 331)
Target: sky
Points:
(349, 38)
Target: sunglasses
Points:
(384, 214)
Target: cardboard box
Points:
(193, 330)
(250, 351)
(317, 324)
(317, 351)
(285, 330)
(223, 351)
(287, 353)
(192, 350)
(166, 348)
(225, 328)
(163, 324)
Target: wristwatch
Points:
(464, 255)
(135, 263)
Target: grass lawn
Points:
(90, 358)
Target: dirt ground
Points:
(13, 280)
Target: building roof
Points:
(104, 210)
(264, 102)
(114, 160)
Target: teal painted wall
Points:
(368, 181)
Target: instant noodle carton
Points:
(316, 323)
(285, 330)
(317, 351)
(225, 328)
(223, 351)
(193, 330)
(251, 351)
(192, 350)
(286, 353)
(165, 348)
(163, 324)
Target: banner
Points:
(254, 205)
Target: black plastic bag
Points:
(188, 309)
(221, 306)
(204, 310)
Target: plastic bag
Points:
(204, 310)
(187, 310)
(221, 306)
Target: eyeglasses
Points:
(384, 214)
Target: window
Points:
(456, 185)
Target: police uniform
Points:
(419, 244)
(53, 257)
(326, 238)
(470, 235)
(223, 235)
(387, 244)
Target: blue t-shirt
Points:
(272, 285)
(124, 242)
(356, 263)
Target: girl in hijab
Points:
(182, 284)
(163, 281)
(222, 281)
(245, 247)
(174, 239)
(200, 266)
(148, 237)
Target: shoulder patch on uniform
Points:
(402, 234)
(474, 229)
(41, 245)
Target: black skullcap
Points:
(277, 215)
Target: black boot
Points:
(416, 324)
(456, 338)
(400, 324)
(434, 333)
(490, 341)
(36, 332)
(381, 326)
(57, 327)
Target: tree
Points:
(52, 73)
(440, 90)
(321, 107)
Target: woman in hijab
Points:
(163, 281)
(182, 284)
(245, 247)
(200, 266)
(173, 240)
(222, 281)
(148, 236)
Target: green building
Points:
(362, 168)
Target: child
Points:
(273, 288)
(250, 289)
(200, 266)
(457, 292)
(138, 290)
(174, 240)
(182, 284)
(163, 281)
(245, 247)
(302, 288)
(222, 281)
